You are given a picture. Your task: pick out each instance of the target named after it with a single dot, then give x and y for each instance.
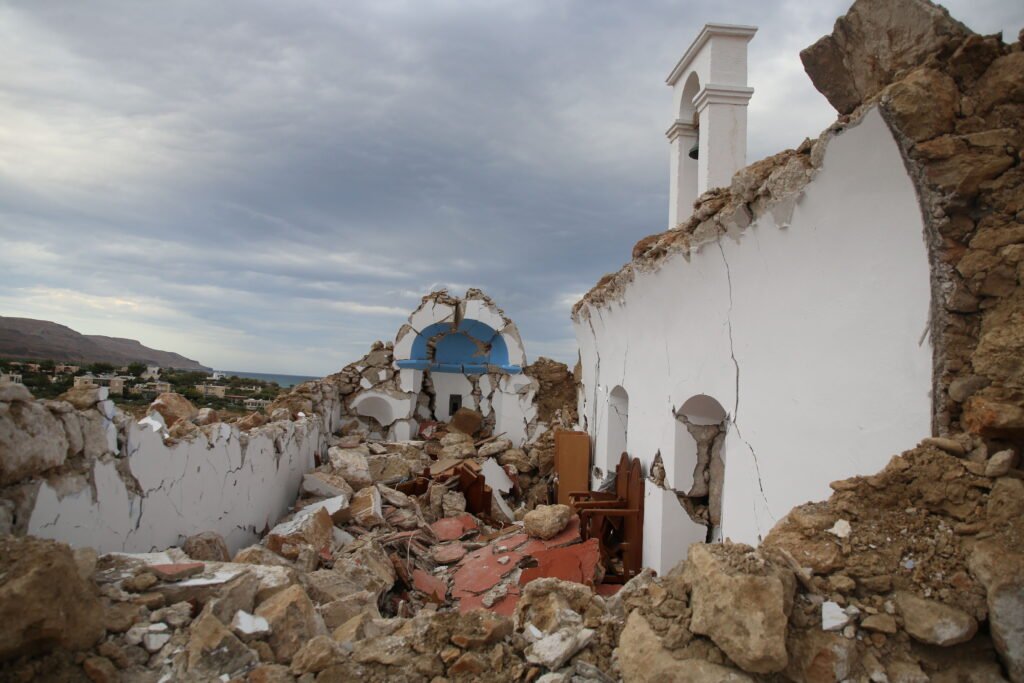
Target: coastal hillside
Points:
(25, 338)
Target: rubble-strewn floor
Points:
(912, 574)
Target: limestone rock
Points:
(100, 670)
(43, 601)
(1001, 463)
(933, 622)
(547, 521)
(555, 649)
(742, 603)
(389, 467)
(293, 621)
(822, 657)
(1002, 575)
(924, 104)
(455, 438)
(208, 546)
(351, 465)
(237, 595)
(206, 416)
(990, 414)
(258, 554)
(367, 567)
(644, 659)
(1001, 82)
(459, 450)
(337, 508)
(316, 655)
(308, 528)
(366, 508)
(32, 441)
(213, 650)
(453, 503)
(337, 612)
(873, 43)
(466, 420)
(545, 603)
(249, 626)
(175, 616)
(518, 459)
(173, 407)
(880, 623)
(326, 485)
(251, 421)
(84, 396)
(493, 448)
(271, 673)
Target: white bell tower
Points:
(709, 98)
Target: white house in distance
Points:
(746, 347)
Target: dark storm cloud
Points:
(270, 185)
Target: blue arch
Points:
(468, 349)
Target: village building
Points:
(216, 390)
(150, 388)
(253, 403)
(10, 377)
(114, 383)
(152, 372)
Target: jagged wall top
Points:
(469, 335)
(876, 47)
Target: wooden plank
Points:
(572, 463)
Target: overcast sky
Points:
(271, 186)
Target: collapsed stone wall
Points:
(81, 471)
(955, 100)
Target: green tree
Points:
(136, 369)
(101, 368)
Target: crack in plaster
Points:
(736, 405)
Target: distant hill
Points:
(42, 339)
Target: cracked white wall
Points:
(236, 485)
(810, 336)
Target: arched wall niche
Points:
(698, 469)
(617, 433)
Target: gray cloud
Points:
(272, 186)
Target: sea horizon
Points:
(284, 381)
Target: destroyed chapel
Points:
(841, 323)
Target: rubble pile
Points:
(362, 579)
(913, 574)
(437, 558)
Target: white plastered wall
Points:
(792, 330)
(446, 384)
(209, 483)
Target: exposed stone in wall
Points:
(556, 391)
(955, 101)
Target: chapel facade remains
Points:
(802, 319)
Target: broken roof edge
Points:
(919, 33)
(756, 190)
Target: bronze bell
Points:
(693, 151)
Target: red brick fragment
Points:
(429, 584)
(176, 572)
